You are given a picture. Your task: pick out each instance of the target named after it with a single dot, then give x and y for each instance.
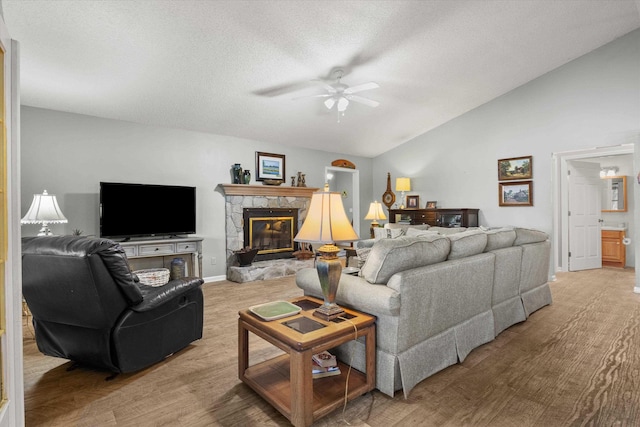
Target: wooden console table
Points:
(159, 253)
(286, 381)
(442, 217)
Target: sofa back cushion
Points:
(467, 243)
(499, 238)
(525, 236)
(390, 256)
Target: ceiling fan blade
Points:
(360, 88)
(322, 95)
(325, 85)
(362, 100)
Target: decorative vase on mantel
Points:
(246, 176)
(237, 174)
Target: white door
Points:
(585, 192)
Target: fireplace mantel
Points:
(267, 190)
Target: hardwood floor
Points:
(574, 363)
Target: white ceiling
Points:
(233, 67)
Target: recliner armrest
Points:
(155, 296)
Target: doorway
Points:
(347, 182)
(560, 168)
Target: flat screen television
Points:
(142, 210)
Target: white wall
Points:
(69, 154)
(592, 101)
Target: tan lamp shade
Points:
(326, 220)
(403, 184)
(375, 211)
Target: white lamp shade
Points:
(375, 211)
(44, 209)
(326, 220)
(403, 184)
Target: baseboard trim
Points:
(214, 279)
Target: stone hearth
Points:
(263, 270)
(238, 197)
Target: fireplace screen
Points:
(271, 231)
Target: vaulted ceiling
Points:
(234, 67)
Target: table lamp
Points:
(375, 213)
(44, 210)
(327, 223)
(402, 185)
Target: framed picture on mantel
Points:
(270, 166)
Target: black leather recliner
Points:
(88, 307)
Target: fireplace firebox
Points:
(271, 231)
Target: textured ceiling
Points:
(233, 67)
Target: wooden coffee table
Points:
(286, 381)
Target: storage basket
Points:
(153, 276)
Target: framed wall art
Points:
(515, 168)
(270, 167)
(413, 202)
(517, 193)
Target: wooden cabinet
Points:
(614, 253)
(436, 217)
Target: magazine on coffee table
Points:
(275, 310)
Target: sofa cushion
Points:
(499, 238)
(389, 256)
(526, 235)
(467, 243)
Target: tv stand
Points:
(158, 253)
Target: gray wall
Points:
(69, 154)
(592, 101)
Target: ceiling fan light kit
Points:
(339, 94)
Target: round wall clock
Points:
(388, 198)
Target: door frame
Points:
(355, 191)
(560, 188)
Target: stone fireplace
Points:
(278, 207)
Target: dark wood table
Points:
(286, 381)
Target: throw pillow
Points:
(387, 233)
(414, 232)
(362, 255)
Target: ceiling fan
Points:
(339, 94)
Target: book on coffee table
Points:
(325, 359)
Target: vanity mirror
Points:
(614, 194)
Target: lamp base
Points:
(329, 270)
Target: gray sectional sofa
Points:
(437, 297)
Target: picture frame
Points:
(516, 168)
(413, 202)
(516, 193)
(432, 204)
(270, 167)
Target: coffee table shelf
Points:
(286, 381)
